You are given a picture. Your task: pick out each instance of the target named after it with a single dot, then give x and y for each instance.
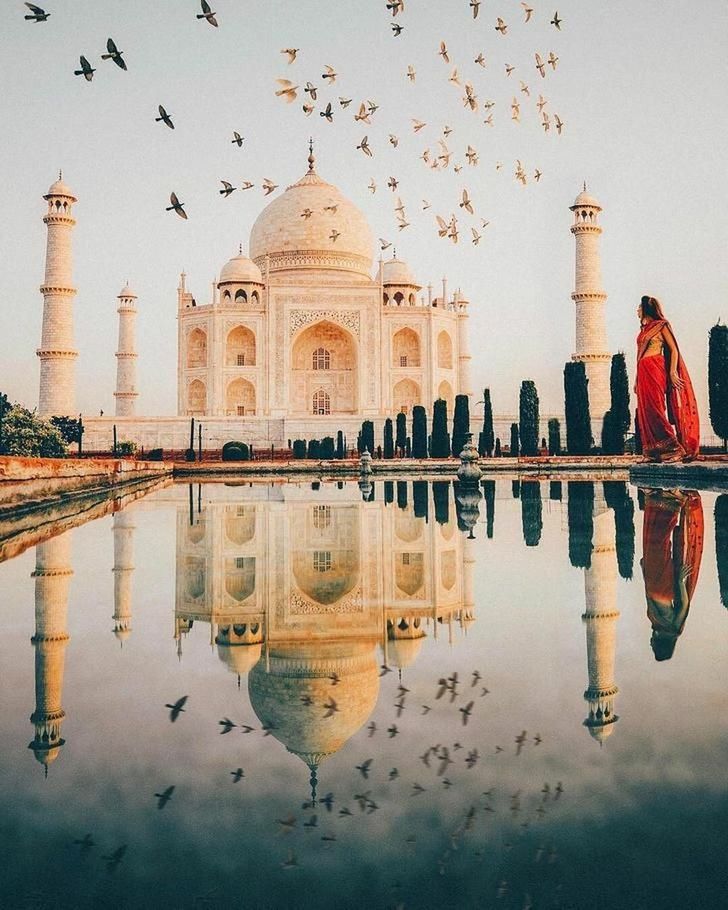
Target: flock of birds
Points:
(437, 156)
(378, 790)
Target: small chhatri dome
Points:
(59, 188)
(126, 291)
(239, 658)
(585, 199)
(296, 229)
(240, 270)
(395, 271)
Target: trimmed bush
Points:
(460, 424)
(554, 436)
(299, 448)
(327, 448)
(440, 446)
(528, 418)
(576, 407)
(514, 440)
(718, 381)
(419, 432)
(235, 451)
(400, 440)
(388, 437)
(486, 440)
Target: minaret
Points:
(126, 356)
(600, 618)
(57, 394)
(52, 580)
(463, 347)
(123, 529)
(591, 329)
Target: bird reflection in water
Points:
(672, 548)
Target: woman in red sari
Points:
(672, 549)
(667, 412)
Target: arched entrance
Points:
(240, 398)
(324, 377)
(405, 395)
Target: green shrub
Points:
(234, 451)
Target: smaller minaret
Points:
(123, 529)
(464, 357)
(126, 356)
(52, 579)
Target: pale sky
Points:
(640, 88)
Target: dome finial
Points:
(313, 780)
(240, 249)
(60, 174)
(585, 186)
(311, 159)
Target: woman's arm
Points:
(668, 339)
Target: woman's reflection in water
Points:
(672, 547)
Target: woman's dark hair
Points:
(651, 308)
(663, 645)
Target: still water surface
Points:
(433, 698)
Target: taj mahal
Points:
(303, 337)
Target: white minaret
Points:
(123, 529)
(464, 357)
(126, 356)
(600, 619)
(57, 394)
(591, 330)
(52, 581)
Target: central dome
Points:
(295, 230)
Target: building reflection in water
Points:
(123, 531)
(672, 549)
(52, 576)
(299, 594)
(593, 543)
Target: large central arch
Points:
(324, 360)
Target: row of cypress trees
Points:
(420, 444)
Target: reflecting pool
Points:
(399, 694)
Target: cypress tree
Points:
(327, 450)
(419, 498)
(299, 448)
(516, 489)
(489, 496)
(531, 512)
(555, 490)
(401, 438)
(340, 452)
(497, 450)
(314, 448)
(440, 436)
(612, 436)
(576, 406)
(367, 437)
(528, 418)
(460, 424)
(616, 496)
(619, 394)
(721, 545)
(408, 448)
(441, 499)
(388, 492)
(580, 508)
(419, 432)
(554, 436)
(486, 439)
(718, 381)
(388, 438)
(514, 440)
(402, 494)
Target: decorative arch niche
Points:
(405, 395)
(197, 348)
(444, 351)
(406, 348)
(240, 347)
(240, 398)
(324, 362)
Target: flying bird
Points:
(227, 189)
(287, 90)
(397, 29)
(540, 66)
(269, 186)
(475, 7)
(164, 797)
(372, 185)
(552, 59)
(364, 768)
(476, 236)
(87, 71)
(541, 103)
(528, 10)
(113, 859)
(466, 204)
(345, 102)
(537, 176)
(291, 53)
(114, 54)
(327, 113)
(163, 117)
(333, 237)
(247, 185)
(392, 183)
(556, 22)
(396, 6)
(37, 14)
(471, 99)
(362, 115)
(501, 26)
(364, 147)
(86, 842)
(207, 13)
(480, 59)
(393, 140)
(411, 73)
(331, 706)
(559, 123)
(237, 139)
(330, 74)
(178, 707)
(466, 712)
(509, 69)
(443, 52)
(226, 724)
(384, 244)
(311, 90)
(238, 774)
(308, 109)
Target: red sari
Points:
(668, 418)
(672, 549)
